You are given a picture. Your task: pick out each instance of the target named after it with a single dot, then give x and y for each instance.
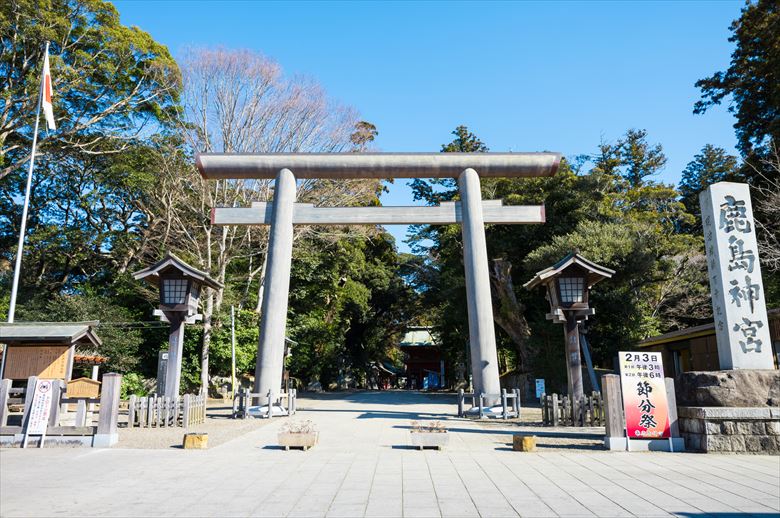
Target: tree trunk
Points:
(208, 312)
(508, 313)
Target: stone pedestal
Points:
(734, 411)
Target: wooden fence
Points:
(557, 410)
(163, 412)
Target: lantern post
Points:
(180, 286)
(568, 284)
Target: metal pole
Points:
(232, 352)
(482, 334)
(23, 226)
(574, 365)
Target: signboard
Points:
(162, 371)
(40, 408)
(84, 388)
(645, 406)
(738, 305)
(539, 388)
(43, 361)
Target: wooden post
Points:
(460, 403)
(185, 411)
(517, 402)
(107, 434)
(29, 392)
(555, 409)
(5, 394)
(481, 405)
(81, 413)
(503, 404)
(574, 365)
(613, 407)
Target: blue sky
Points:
(524, 76)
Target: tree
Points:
(752, 80)
(711, 165)
(111, 82)
(363, 136)
(240, 102)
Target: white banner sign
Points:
(739, 309)
(40, 408)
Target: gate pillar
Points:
(273, 320)
(482, 335)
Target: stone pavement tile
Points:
(351, 496)
(421, 512)
(346, 510)
(387, 507)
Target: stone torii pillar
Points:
(482, 335)
(273, 323)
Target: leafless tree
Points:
(768, 208)
(239, 102)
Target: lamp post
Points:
(180, 286)
(568, 284)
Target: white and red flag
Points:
(48, 111)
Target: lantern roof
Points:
(36, 333)
(172, 264)
(593, 272)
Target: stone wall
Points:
(730, 429)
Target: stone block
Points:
(195, 441)
(753, 443)
(772, 427)
(716, 443)
(745, 428)
(696, 425)
(712, 427)
(731, 388)
(738, 443)
(523, 442)
(728, 428)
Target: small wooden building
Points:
(696, 349)
(44, 349)
(423, 359)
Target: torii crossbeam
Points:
(471, 212)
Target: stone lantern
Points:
(568, 284)
(180, 287)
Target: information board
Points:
(43, 361)
(645, 405)
(539, 388)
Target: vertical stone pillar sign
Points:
(738, 306)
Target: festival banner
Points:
(645, 405)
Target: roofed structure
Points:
(171, 263)
(78, 333)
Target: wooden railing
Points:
(163, 412)
(284, 403)
(510, 403)
(558, 410)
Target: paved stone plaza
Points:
(363, 467)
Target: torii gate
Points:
(471, 212)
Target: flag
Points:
(48, 111)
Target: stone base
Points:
(731, 430)
(262, 411)
(744, 388)
(677, 444)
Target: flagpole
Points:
(23, 227)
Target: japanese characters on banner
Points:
(644, 395)
(40, 408)
(741, 324)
